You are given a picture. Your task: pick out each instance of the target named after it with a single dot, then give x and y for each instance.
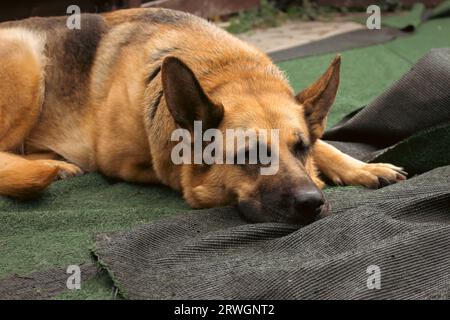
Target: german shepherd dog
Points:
(106, 97)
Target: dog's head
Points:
(284, 185)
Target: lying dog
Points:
(108, 96)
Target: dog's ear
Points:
(185, 97)
(318, 98)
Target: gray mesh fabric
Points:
(404, 229)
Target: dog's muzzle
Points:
(300, 207)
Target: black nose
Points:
(308, 203)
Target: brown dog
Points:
(108, 96)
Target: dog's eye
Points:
(299, 148)
(242, 157)
(249, 156)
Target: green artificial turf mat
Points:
(366, 72)
(433, 34)
(410, 19)
(443, 9)
(57, 229)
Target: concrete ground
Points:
(293, 33)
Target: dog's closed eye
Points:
(246, 156)
(300, 148)
(252, 155)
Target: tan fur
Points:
(109, 113)
(21, 178)
(22, 82)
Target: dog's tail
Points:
(24, 179)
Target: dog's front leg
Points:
(345, 170)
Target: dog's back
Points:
(101, 38)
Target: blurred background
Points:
(264, 11)
(271, 25)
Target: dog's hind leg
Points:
(21, 97)
(21, 178)
(345, 170)
(66, 169)
(22, 64)
(24, 178)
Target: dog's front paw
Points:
(373, 175)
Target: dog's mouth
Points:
(254, 211)
(324, 211)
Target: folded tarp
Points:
(388, 243)
(416, 16)
(402, 232)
